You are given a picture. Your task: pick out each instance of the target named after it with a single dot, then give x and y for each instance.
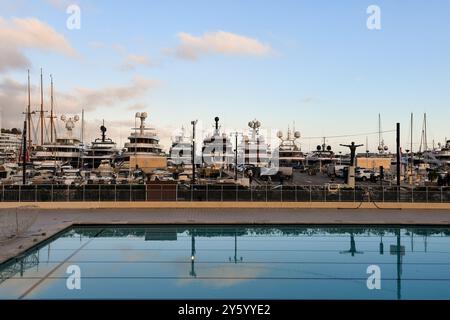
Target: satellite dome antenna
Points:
(103, 130)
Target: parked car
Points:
(363, 174)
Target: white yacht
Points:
(66, 149)
(143, 150)
(101, 150)
(217, 150)
(253, 149)
(181, 150)
(443, 154)
(289, 152)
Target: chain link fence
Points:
(266, 193)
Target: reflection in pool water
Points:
(236, 262)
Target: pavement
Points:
(48, 222)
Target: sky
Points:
(310, 64)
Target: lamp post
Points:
(193, 123)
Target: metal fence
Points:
(173, 192)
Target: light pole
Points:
(193, 123)
(236, 156)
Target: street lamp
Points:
(193, 123)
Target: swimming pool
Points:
(234, 262)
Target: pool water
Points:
(234, 262)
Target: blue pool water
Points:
(236, 262)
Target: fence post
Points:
(176, 192)
(412, 194)
(221, 194)
(266, 194)
(324, 193)
(398, 194)
(251, 193)
(237, 196)
(442, 194)
(35, 193)
(339, 194)
(310, 193)
(99, 192)
(115, 192)
(382, 188)
(192, 192)
(426, 193)
(354, 194)
(68, 193)
(20, 193)
(296, 196)
(281, 196)
(206, 193)
(84, 192)
(3, 193)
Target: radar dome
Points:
(280, 134)
(297, 134)
(76, 118)
(138, 115)
(144, 114)
(63, 118)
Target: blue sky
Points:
(325, 70)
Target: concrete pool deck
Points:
(50, 218)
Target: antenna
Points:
(41, 115)
(51, 109)
(29, 110)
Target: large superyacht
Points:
(64, 150)
(100, 151)
(143, 150)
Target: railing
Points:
(173, 192)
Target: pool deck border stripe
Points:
(224, 205)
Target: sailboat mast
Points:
(29, 111)
(51, 109)
(412, 154)
(41, 115)
(379, 129)
(82, 126)
(425, 132)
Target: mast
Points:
(41, 114)
(425, 132)
(51, 110)
(412, 154)
(29, 111)
(82, 126)
(379, 130)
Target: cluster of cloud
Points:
(133, 60)
(17, 35)
(219, 42)
(13, 98)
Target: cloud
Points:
(112, 95)
(16, 35)
(133, 60)
(60, 4)
(137, 107)
(219, 42)
(13, 98)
